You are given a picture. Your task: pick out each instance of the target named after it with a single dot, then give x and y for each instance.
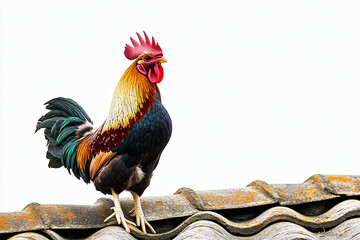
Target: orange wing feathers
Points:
(99, 161)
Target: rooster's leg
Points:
(118, 213)
(139, 214)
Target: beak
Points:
(162, 60)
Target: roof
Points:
(322, 207)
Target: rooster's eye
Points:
(147, 58)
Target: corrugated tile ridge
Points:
(190, 204)
(339, 213)
(279, 230)
(204, 229)
(258, 193)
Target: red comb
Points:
(144, 46)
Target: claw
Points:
(109, 217)
(113, 215)
(132, 212)
(118, 213)
(139, 214)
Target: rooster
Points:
(124, 151)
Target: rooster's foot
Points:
(139, 214)
(118, 213)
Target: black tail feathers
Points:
(61, 126)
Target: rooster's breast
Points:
(152, 133)
(132, 168)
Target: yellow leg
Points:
(118, 213)
(139, 214)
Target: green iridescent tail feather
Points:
(60, 125)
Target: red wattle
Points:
(161, 73)
(156, 74)
(152, 76)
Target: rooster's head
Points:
(149, 57)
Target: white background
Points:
(257, 90)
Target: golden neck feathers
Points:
(133, 97)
